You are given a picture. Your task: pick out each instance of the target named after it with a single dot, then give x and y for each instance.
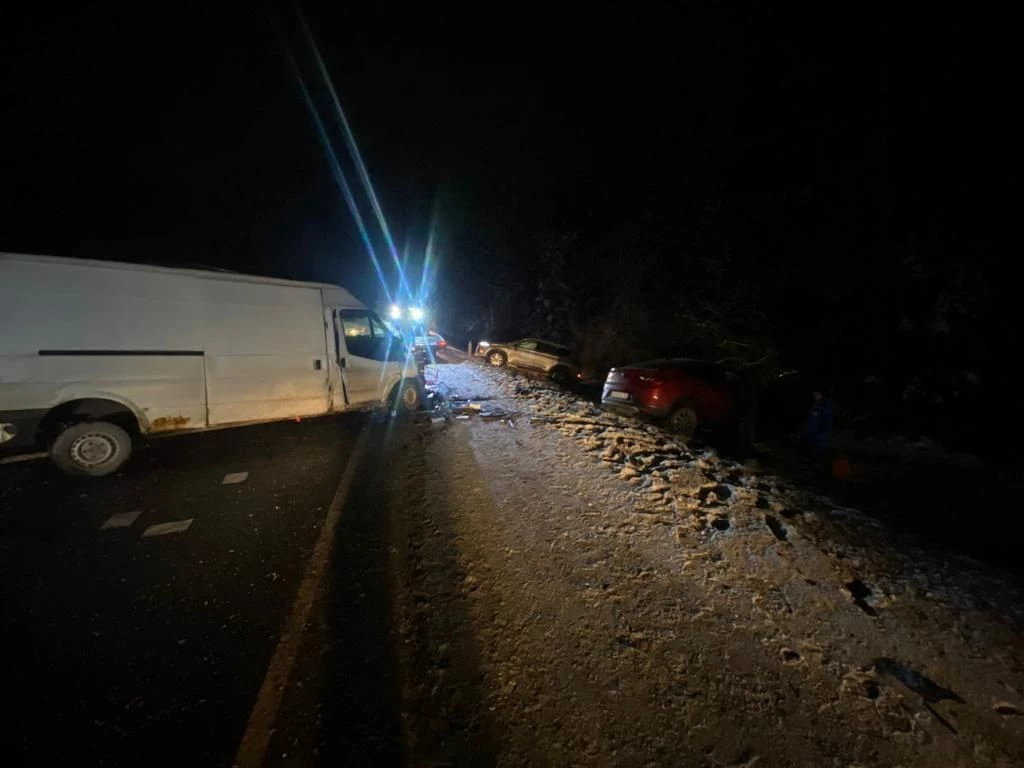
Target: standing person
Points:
(816, 434)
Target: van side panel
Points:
(69, 332)
(265, 351)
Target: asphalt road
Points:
(121, 648)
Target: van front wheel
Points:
(406, 397)
(91, 449)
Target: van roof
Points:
(345, 295)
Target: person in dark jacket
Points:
(816, 434)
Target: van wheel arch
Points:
(90, 437)
(84, 410)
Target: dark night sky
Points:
(183, 139)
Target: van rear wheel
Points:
(91, 449)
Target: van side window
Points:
(366, 336)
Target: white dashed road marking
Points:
(162, 529)
(121, 520)
(234, 477)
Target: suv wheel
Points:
(683, 421)
(559, 374)
(497, 359)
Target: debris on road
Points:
(162, 529)
(121, 520)
(234, 477)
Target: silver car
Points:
(553, 360)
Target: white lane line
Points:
(253, 748)
(234, 477)
(121, 520)
(23, 457)
(162, 529)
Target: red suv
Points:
(687, 393)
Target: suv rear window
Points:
(552, 349)
(709, 372)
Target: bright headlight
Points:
(416, 313)
(395, 311)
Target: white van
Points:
(93, 353)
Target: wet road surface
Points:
(120, 646)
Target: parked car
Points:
(553, 360)
(688, 394)
(430, 340)
(425, 346)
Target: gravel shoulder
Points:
(567, 587)
(635, 600)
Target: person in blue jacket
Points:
(817, 430)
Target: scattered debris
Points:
(234, 477)
(121, 520)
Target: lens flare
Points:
(339, 176)
(357, 158)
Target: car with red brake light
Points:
(687, 394)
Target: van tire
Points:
(91, 449)
(406, 397)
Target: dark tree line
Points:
(892, 319)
